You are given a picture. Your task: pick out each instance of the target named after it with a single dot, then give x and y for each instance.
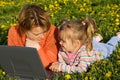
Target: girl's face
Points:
(36, 33)
(68, 46)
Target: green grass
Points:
(105, 12)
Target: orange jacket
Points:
(49, 44)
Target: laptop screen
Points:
(22, 62)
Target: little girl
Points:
(77, 42)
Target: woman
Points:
(35, 30)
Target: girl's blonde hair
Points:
(33, 15)
(79, 30)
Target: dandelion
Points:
(117, 20)
(118, 62)
(73, 17)
(8, 21)
(65, 1)
(117, 23)
(104, 62)
(116, 70)
(115, 29)
(67, 76)
(3, 73)
(13, 24)
(103, 14)
(52, 15)
(118, 50)
(84, 4)
(108, 6)
(91, 78)
(45, 7)
(51, 6)
(100, 54)
(75, 1)
(108, 75)
(86, 78)
(82, 9)
(118, 15)
(3, 26)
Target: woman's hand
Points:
(34, 37)
(54, 67)
(33, 44)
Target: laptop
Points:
(22, 63)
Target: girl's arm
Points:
(80, 65)
(55, 66)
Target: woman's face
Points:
(36, 33)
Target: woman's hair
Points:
(33, 15)
(79, 30)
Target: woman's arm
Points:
(14, 38)
(49, 48)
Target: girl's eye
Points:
(63, 41)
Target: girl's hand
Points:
(54, 67)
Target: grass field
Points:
(105, 12)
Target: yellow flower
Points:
(45, 7)
(73, 17)
(108, 75)
(13, 24)
(118, 15)
(8, 21)
(117, 23)
(118, 62)
(82, 9)
(117, 20)
(100, 54)
(84, 4)
(3, 73)
(67, 76)
(116, 69)
(52, 15)
(91, 78)
(86, 78)
(65, 1)
(115, 29)
(75, 1)
(118, 50)
(3, 26)
(51, 6)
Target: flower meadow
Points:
(105, 12)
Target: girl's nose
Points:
(60, 42)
